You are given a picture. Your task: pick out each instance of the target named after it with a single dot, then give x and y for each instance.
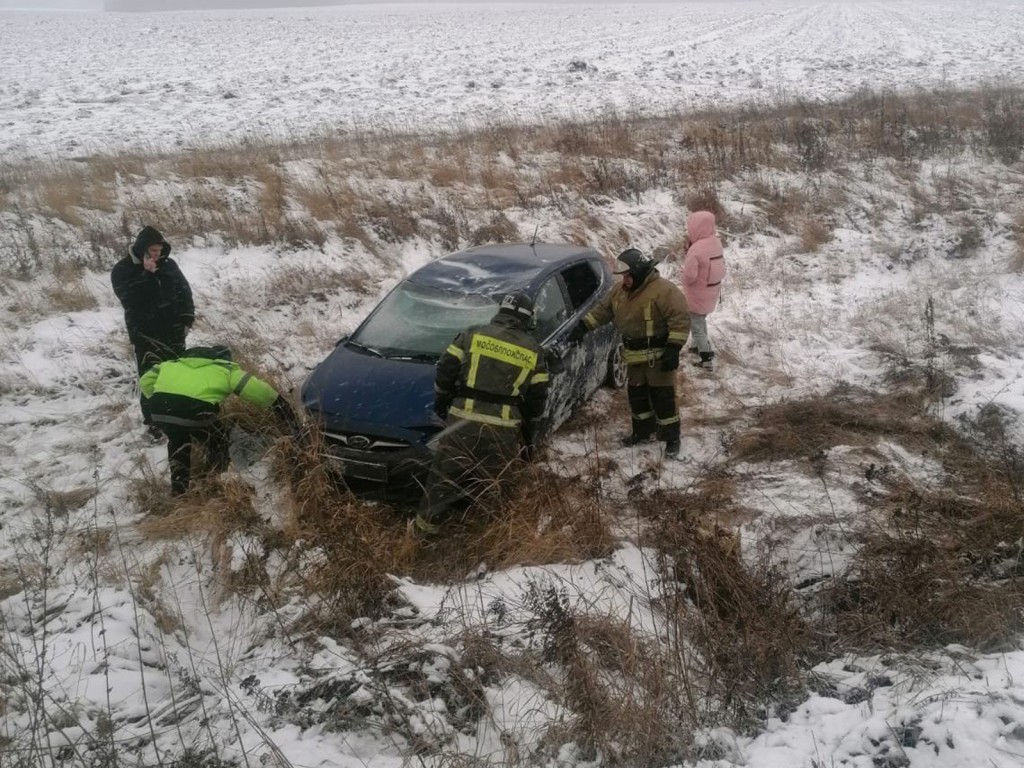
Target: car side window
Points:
(581, 280)
(550, 309)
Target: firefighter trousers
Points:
(652, 402)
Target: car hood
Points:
(357, 391)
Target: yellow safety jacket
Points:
(187, 392)
(649, 317)
(493, 374)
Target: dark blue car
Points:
(373, 395)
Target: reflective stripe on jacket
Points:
(649, 317)
(493, 374)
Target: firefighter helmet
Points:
(518, 305)
(636, 264)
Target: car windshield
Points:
(420, 321)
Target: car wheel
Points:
(616, 376)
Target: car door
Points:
(584, 285)
(565, 361)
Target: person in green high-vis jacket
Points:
(184, 397)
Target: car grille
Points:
(360, 442)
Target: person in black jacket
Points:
(157, 301)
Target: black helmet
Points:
(518, 305)
(637, 265)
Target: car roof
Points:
(501, 267)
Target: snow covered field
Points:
(117, 623)
(72, 84)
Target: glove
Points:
(670, 357)
(529, 448)
(441, 406)
(577, 333)
(284, 411)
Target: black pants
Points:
(149, 352)
(215, 441)
(654, 408)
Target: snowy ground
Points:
(73, 84)
(132, 626)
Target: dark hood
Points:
(147, 237)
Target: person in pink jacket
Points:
(703, 272)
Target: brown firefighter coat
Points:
(650, 317)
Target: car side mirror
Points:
(554, 362)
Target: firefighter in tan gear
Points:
(651, 314)
(490, 387)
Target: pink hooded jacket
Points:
(704, 265)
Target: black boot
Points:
(707, 361)
(628, 441)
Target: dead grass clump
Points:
(811, 141)
(710, 502)
(498, 230)
(573, 139)
(1003, 121)
(969, 239)
(706, 199)
(298, 283)
(529, 517)
(67, 292)
(944, 564)
(390, 221)
(62, 502)
(350, 546)
(718, 145)
(902, 126)
(449, 174)
(783, 206)
(499, 181)
(918, 583)
(451, 224)
(326, 198)
(217, 506)
(747, 625)
(1017, 259)
(227, 164)
(107, 242)
(146, 591)
(814, 233)
(70, 194)
(624, 691)
(804, 429)
(548, 519)
(148, 491)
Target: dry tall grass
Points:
(937, 564)
(1017, 259)
(934, 564)
(804, 429)
(407, 186)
